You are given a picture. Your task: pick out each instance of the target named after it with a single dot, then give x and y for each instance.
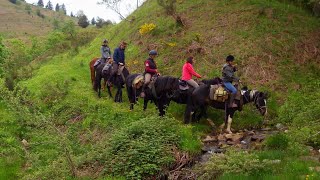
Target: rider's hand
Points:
(158, 74)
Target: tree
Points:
(49, 5)
(40, 3)
(101, 22)
(69, 28)
(71, 14)
(93, 21)
(115, 6)
(63, 8)
(83, 20)
(57, 7)
(13, 1)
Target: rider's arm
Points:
(116, 56)
(193, 72)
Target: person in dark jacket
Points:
(228, 77)
(118, 59)
(150, 69)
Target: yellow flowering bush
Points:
(146, 28)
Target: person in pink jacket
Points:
(188, 72)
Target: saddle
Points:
(218, 93)
(107, 69)
(183, 85)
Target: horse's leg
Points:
(145, 103)
(116, 98)
(120, 94)
(226, 114)
(109, 91)
(230, 116)
(188, 113)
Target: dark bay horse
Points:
(118, 81)
(201, 100)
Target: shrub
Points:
(168, 5)
(142, 148)
(146, 28)
(233, 162)
(277, 141)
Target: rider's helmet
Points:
(153, 52)
(105, 41)
(230, 58)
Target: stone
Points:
(221, 138)
(209, 139)
(230, 143)
(266, 129)
(258, 138)
(228, 136)
(250, 133)
(279, 126)
(25, 143)
(237, 137)
(310, 158)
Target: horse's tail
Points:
(92, 71)
(97, 81)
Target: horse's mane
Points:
(166, 83)
(216, 80)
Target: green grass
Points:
(10, 153)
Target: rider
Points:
(228, 77)
(118, 59)
(105, 51)
(150, 70)
(188, 71)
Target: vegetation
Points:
(52, 119)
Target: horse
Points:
(92, 72)
(166, 89)
(201, 100)
(160, 92)
(118, 81)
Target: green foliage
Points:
(233, 162)
(69, 28)
(277, 141)
(3, 54)
(142, 148)
(83, 21)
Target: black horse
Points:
(166, 89)
(201, 100)
(160, 93)
(118, 81)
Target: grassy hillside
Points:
(72, 133)
(21, 19)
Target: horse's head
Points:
(260, 101)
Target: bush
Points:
(233, 162)
(146, 28)
(142, 148)
(277, 141)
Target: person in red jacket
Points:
(188, 72)
(150, 69)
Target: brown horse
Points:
(92, 72)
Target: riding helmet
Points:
(230, 58)
(153, 52)
(105, 41)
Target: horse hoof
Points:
(228, 131)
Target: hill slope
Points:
(276, 46)
(17, 22)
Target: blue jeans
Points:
(230, 87)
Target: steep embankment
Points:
(76, 134)
(23, 19)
